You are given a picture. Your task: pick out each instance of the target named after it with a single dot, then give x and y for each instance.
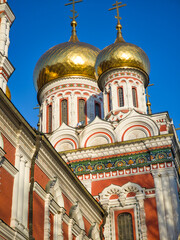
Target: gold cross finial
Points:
(148, 104)
(116, 6)
(74, 37)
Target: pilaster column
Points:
(8, 41)
(14, 221)
(90, 109)
(107, 225)
(57, 114)
(105, 100)
(160, 206)
(3, 34)
(129, 94)
(72, 110)
(26, 195)
(60, 216)
(114, 101)
(53, 113)
(175, 202)
(47, 226)
(168, 205)
(70, 227)
(45, 104)
(20, 204)
(140, 199)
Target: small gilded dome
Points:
(66, 59)
(121, 55)
(8, 93)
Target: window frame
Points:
(85, 110)
(60, 108)
(126, 225)
(48, 127)
(118, 93)
(97, 103)
(136, 97)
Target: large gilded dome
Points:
(66, 59)
(121, 55)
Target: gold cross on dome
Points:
(73, 2)
(117, 6)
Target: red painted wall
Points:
(38, 217)
(10, 150)
(40, 177)
(6, 190)
(67, 203)
(144, 180)
(87, 225)
(65, 230)
(151, 218)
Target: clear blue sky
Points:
(150, 24)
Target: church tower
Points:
(123, 74)
(6, 69)
(67, 87)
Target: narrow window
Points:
(121, 97)
(50, 118)
(125, 226)
(97, 110)
(109, 102)
(134, 96)
(64, 111)
(82, 115)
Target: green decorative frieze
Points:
(122, 162)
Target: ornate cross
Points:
(73, 2)
(117, 6)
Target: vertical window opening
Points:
(109, 102)
(50, 118)
(134, 96)
(82, 115)
(121, 97)
(97, 110)
(125, 226)
(64, 111)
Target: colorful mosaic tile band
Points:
(123, 162)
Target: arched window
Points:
(121, 97)
(82, 115)
(97, 110)
(50, 118)
(125, 226)
(64, 111)
(134, 96)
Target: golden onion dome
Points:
(121, 55)
(8, 93)
(66, 59)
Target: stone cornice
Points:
(5, 8)
(40, 191)
(6, 64)
(8, 167)
(2, 152)
(8, 233)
